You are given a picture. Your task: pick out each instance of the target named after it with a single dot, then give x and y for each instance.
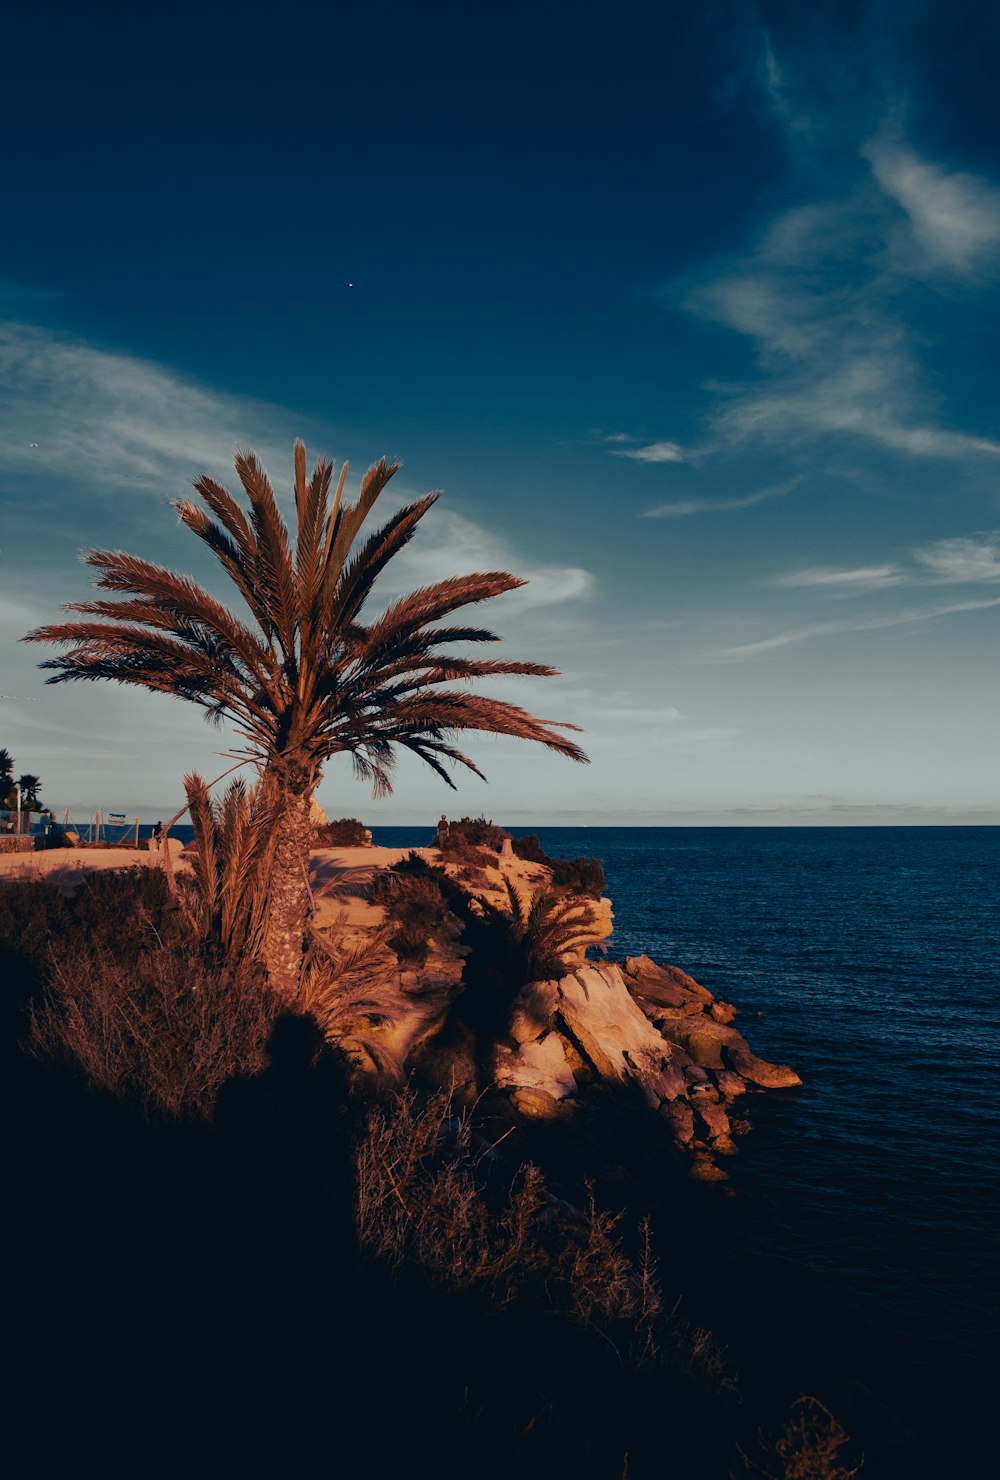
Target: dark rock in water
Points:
(667, 985)
(704, 1169)
(706, 1041)
(723, 1012)
(708, 1107)
(699, 1037)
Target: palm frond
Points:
(274, 567)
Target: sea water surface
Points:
(867, 958)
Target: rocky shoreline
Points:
(645, 1029)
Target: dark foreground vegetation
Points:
(225, 1256)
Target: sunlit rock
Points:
(540, 1064)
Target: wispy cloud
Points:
(683, 508)
(964, 560)
(829, 629)
(653, 452)
(460, 544)
(954, 217)
(110, 420)
(822, 295)
(958, 561)
(860, 578)
(113, 420)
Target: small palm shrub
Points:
(510, 947)
(226, 894)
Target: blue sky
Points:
(690, 310)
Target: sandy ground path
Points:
(339, 876)
(65, 867)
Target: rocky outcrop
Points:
(648, 1029)
(594, 1008)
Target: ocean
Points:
(867, 958)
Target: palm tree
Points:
(30, 787)
(311, 679)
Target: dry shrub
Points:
(477, 832)
(808, 1447)
(418, 899)
(529, 849)
(342, 832)
(162, 1031)
(424, 1201)
(33, 914)
(465, 855)
(578, 876)
(569, 875)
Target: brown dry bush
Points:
(808, 1447)
(477, 832)
(418, 900)
(342, 832)
(570, 875)
(422, 1202)
(162, 1031)
(578, 876)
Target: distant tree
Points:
(30, 787)
(6, 779)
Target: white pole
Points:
(17, 789)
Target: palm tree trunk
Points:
(289, 900)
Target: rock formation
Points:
(650, 1030)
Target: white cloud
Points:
(860, 578)
(962, 560)
(954, 217)
(654, 452)
(113, 420)
(459, 546)
(683, 508)
(830, 629)
(108, 419)
(820, 296)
